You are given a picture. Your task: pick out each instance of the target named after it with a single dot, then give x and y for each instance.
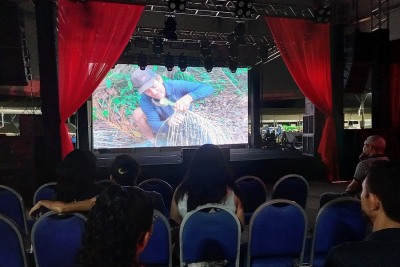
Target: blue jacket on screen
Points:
(174, 89)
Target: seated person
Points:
(118, 228)
(206, 181)
(124, 171)
(380, 201)
(373, 150)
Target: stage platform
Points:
(170, 164)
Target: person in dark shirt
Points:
(163, 101)
(380, 201)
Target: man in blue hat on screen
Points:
(163, 100)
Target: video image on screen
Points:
(175, 108)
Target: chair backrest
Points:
(159, 186)
(57, 238)
(277, 234)
(253, 193)
(340, 220)
(293, 187)
(12, 205)
(44, 192)
(12, 250)
(210, 233)
(158, 251)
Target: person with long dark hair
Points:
(118, 228)
(208, 180)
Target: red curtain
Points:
(305, 49)
(395, 82)
(91, 37)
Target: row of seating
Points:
(277, 236)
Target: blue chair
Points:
(162, 187)
(293, 187)
(12, 250)
(44, 192)
(12, 205)
(159, 248)
(340, 220)
(253, 194)
(210, 233)
(57, 238)
(277, 235)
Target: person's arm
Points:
(153, 118)
(62, 207)
(240, 211)
(174, 211)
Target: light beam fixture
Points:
(169, 30)
(142, 61)
(177, 5)
(243, 8)
(169, 62)
(182, 62)
(322, 14)
(158, 46)
(208, 63)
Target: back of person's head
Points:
(76, 176)
(125, 170)
(383, 180)
(207, 177)
(377, 142)
(118, 228)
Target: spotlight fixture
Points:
(169, 62)
(233, 50)
(243, 8)
(238, 33)
(177, 5)
(158, 46)
(142, 61)
(233, 65)
(322, 14)
(182, 62)
(169, 30)
(208, 64)
(263, 52)
(205, 48)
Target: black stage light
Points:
(233, 65)
(177, 5)
(182, 62)
(322, 14)
(169, 30)
(205, 48)
(169, 62)
(158, 46)
(243, 8)
(263, 52)
(233, 50)
(142, 61)
(208, 64)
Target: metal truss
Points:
(379, 14)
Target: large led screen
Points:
(175, 108)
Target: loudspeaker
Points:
(12, 46)
(359, 57)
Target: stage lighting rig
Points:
(182, 62)
(205, 48)
(322, 14)
(243, 8)
(233, 65)
(169, 30)
(169, 62)
(208, 63)
(142, 61)
(158, 46)
(177, 5)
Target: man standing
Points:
(161, 99)
(380, 201)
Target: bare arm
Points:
(354, 186)
(62, 207)
(240, 211)
(174, 212)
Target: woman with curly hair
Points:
(208, 180)
(118, 228)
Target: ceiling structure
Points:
(215, 21)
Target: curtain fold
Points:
(305, 48)
(91, 38)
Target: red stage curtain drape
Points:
(91, 37)
(305, 49)
(395, 82)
